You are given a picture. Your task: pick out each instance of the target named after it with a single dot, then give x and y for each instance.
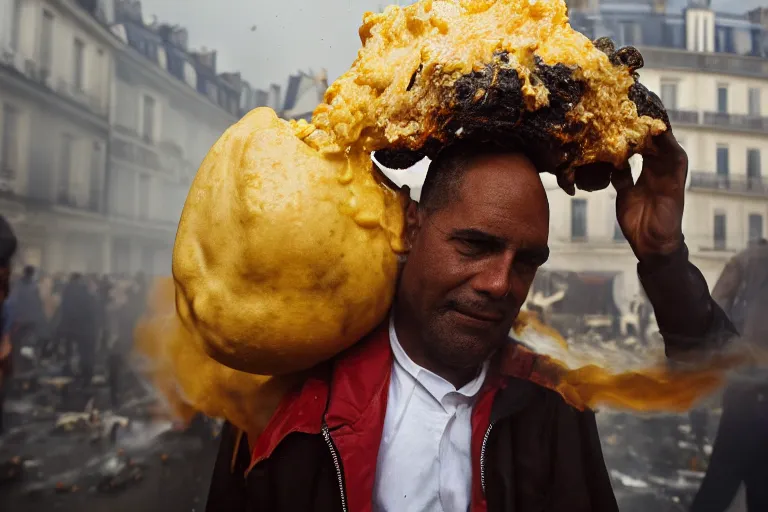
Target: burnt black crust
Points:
(487, 106)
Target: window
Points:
(722, 99)
(65, 168)
(94, 190)
(15, 24)
(77, 61)
(149, 119)
(722, 161)
(630, 33)
(46, 41)
(754, 102)
(669, 95)
(9, 158)
(578, 218)
(720, 231)
(753, 165)
(755, 227)
(144, 190)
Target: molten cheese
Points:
(396, 90)
(284, 257)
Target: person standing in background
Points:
(740, 450)
(29, 314)
(78, 325)
(7, 249)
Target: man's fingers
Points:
(621, 179)
(593, 177)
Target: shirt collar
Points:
(437, 386)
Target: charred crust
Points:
(605, 45)
(399, 158)
(629, 57)
(413, 78)
(647, 103)
(487, 106)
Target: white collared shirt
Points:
(424, 461)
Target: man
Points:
(435, 411)
(128, 315)
(78, 325)
(7, 250)
(29, 315)
(740, 453)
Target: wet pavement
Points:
(65, 449)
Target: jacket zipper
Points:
(482, 455)
(335, 457)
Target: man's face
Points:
(472, 262)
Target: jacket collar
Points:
(342, 392)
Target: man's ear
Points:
(413, 217)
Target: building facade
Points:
(169, 107)
(711, 72)
(54, 131)
(105, 117)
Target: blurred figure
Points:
(740, 453)
(78, 325)
(131, 307)
(7, 250)
(29, 314)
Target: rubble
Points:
(70, 450)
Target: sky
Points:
(267, 40)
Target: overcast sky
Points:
(290, 34)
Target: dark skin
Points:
(472, 262)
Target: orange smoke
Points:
(192, 382)
(664, 386)
(189, 380)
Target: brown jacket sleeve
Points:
(728, 284)
(689, 319)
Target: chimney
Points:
(261, 98)
(206, 58)
(759, 16)
(274, 100)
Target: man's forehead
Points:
(413, 177)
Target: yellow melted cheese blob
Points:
(283, 257)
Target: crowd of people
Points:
(74, 321)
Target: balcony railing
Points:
(730, 122)
(137, 155)
(41, 74)
(731, 64)
(744, 185)
(683, 116)
(65, 198)
(736, 121)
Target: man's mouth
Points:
(486, 317)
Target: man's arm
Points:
(727, 285)
(688, 317)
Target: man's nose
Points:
(495, 278)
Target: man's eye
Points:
(472, 247)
